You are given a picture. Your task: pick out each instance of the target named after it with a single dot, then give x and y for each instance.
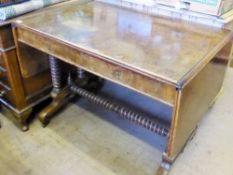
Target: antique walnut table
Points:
(173, 62)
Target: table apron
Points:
(156, 89)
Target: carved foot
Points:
(59, 101)
(20, 119)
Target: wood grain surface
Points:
(162, 48)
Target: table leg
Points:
(59, 94)
(55, 75)
(193, 101)
(62, 95)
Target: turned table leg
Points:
(59, 94)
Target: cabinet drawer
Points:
(6, 37)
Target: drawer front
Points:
(6, 37)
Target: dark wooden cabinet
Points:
(24, 78)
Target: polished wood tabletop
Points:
(162, 48)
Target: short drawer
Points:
(6, 37)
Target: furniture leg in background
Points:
(21, 90)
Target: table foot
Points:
(164, 168)
(59, 101)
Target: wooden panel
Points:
(194, 100)
(119, 74)
(31, 61)
(3, 71)
(2, 63)
(6, 37)
(4, 83)
(8, 94)
(37, 83)
(20, 89)
(14, 78)
(4, 78)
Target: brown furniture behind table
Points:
(25, 79)
(24, 82)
